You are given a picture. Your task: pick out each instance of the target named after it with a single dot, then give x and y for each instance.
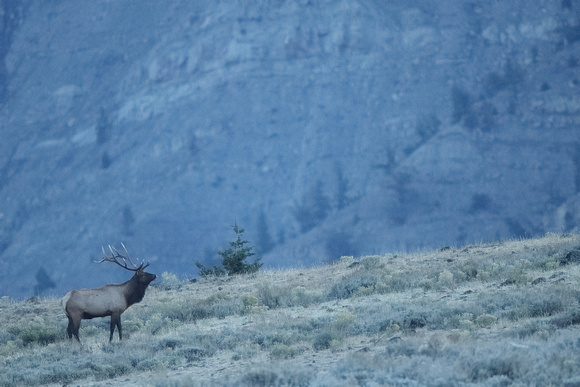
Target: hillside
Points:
(325, 128)
(494, 314)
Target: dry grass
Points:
(503, 313)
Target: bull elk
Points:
(109, 300)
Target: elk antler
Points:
(116, 257)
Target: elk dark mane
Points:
(135, 292)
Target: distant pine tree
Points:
(128, 220)
(103, 127)
(105, 160)
(43, 282)
(313, 208)
(265, 241)
(342, 199)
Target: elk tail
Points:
(64, 300)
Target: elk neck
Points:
(134, 290)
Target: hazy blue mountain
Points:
(325, 128)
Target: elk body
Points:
(109, 300)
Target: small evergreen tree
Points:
(234, 257)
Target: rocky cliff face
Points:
(325, 128)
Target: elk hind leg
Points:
(69, 329)
(73, 328)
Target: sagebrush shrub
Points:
(322, 341)
(352, 283)
(37, 331)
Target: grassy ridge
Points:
(493, 314)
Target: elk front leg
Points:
(116, 321)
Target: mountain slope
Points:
(486, 314)
(327, 129)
